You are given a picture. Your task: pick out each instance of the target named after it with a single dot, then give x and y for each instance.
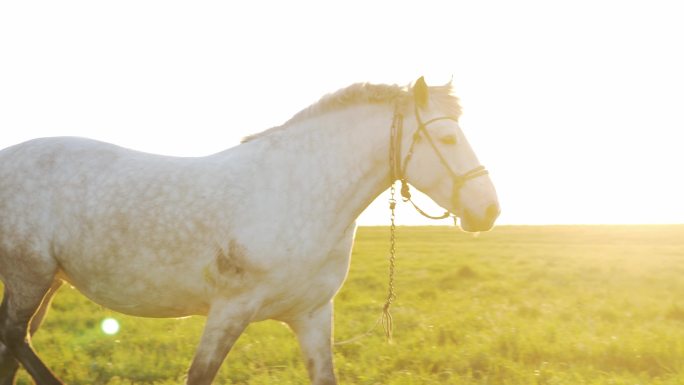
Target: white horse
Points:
(261, 231)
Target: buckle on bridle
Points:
(405, 193)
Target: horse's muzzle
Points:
(474, 223)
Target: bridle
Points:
(398, 172)
(398, 166)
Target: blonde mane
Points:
(367, 93)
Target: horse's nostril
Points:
(492, 212)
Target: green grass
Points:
(518, 305)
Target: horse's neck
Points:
(334, 164)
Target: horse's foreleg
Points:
(314, 331)
(18, 308)
(225, 323)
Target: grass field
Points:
(518, 305)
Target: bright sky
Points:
(576, 107)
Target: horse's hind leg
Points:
(40, 314)
(16, 319)
(8, 364)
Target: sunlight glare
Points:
(109, 326)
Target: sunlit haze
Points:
(576, 108)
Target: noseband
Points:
(398, 166)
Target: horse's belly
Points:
(291, 303)
(157, 294)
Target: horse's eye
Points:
(450, 140)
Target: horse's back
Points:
(45, 162)
(41, 175)
(46, 158)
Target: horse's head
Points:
(437, 159)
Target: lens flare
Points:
(109, 326)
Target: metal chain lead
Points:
(387, 322)
(395, 172)
(395, 140)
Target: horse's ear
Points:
(420, 92)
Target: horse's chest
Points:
(304, 286)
